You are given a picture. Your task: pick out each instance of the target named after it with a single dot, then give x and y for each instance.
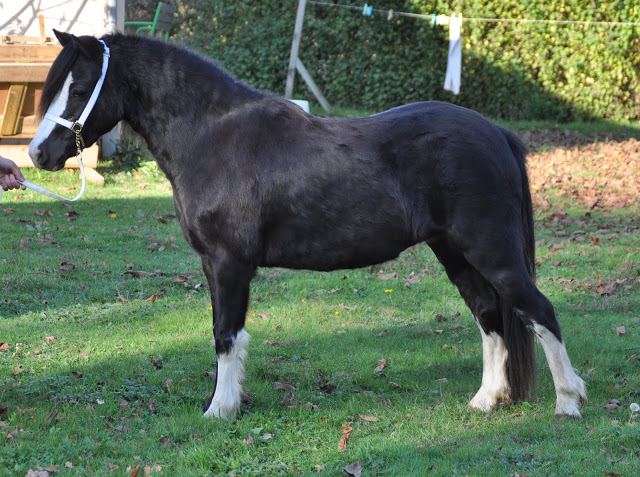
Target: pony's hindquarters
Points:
(488, 254)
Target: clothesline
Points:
(367, 10)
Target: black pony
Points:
(257, 182)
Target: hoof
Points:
(568, 404)
(224, 412)
(488, 402)
(482, 405)
(215, 408)
(576, 416)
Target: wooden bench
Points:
(24, 65)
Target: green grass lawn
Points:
(103, 370)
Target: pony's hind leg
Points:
(571, 392)
(483, 302)
(516, 288)
(229, 283)
(495, 388)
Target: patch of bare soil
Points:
(597, 172)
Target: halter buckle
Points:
(76, 127)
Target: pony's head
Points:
(68, 89)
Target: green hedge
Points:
(510, 71)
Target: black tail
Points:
(519, 340)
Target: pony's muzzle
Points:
(41, 161)
(35, 153)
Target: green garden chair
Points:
(161, 22)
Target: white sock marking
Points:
(57, 107)
(226, 399)
(570, 389)
(495, 386)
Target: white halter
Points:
(76, 127)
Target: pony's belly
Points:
(334, 250)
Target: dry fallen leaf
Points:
(156, 363)
(288, 400)
(412, 279)
(354, 469)
(621, 330)
(387, 276)
(325, 385)
(312, 407)
(142, 274)
(152, 468)
(344, 440)
(381, 365)
(369, 418)
(283, 386)
(37, 473)
(621, 384)
(71, 215)
(155, 296)
(43, 213)
(612, 405)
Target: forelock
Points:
(57, 74)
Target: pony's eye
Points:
(78, 93)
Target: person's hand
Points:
(10, 175)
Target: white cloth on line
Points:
(454, 64)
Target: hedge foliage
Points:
(511, 71)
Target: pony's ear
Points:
(83, 43)
(63, 37)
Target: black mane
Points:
(191, 71)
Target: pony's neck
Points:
(169, 92)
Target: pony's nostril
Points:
(37, 158)
(36, 154)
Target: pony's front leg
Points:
(230, 297)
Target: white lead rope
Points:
(43, 191)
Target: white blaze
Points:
(57, 107)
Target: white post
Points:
(295, 44)
(114, 22)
